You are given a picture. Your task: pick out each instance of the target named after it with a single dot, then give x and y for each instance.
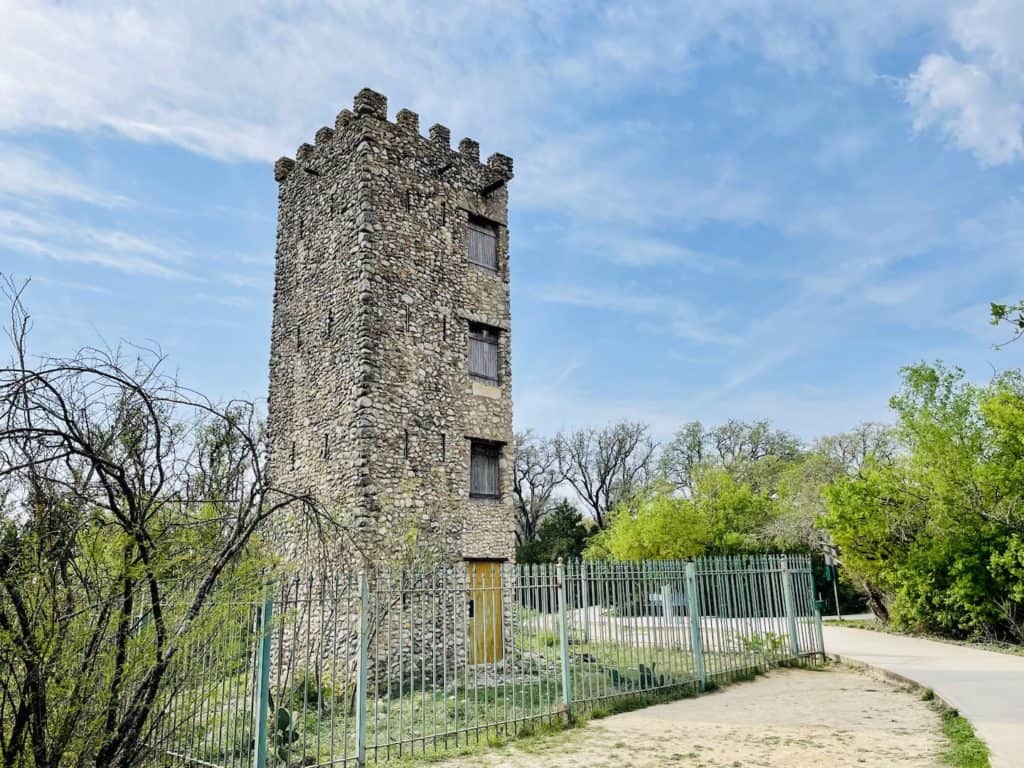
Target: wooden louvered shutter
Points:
(483, 245)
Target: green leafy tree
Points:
(721, 516)
(935, 534)
(1011, 315)
(561, 533)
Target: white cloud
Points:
(969, 106)
(976, 101)
(252, 79)
(992, 29)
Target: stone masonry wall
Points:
(371, 403)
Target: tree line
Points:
(926, 515)
(738, 486)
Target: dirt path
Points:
(791, 718)
(986, 687)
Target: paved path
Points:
(987, 687)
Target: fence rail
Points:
(345, 670)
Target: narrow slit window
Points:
(408, 318)
(483, 351)
(405, 444)
(444, 327)
(292, 459)
(483, 238)
(444, 212)
(408, 200)
(444, 447)
(483, 470)
(298, 337)
(330, 321)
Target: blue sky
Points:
(721, 207)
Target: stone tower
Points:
(390, 376)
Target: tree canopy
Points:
(939, 532)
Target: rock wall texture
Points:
(372, 406)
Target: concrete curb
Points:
(896, 677)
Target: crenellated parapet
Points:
(370, 105)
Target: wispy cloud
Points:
(31, 175)
(219, 78)
(62, 239)
(639, 250)
(224, 299)
(675, 315)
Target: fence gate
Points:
(486, 617)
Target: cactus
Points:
(283, 735)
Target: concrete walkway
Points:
(987, 687)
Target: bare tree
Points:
(607, 465)
(735, 445)
(684, 453)
(849, 450)
(535, 477)
(738, 440)
(128, 501)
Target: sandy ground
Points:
(986, 687)
(791, 717)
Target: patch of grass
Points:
(966, 749)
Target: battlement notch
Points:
(470, 148)
(408, 120)
(439, 134)
(369, 102)
(344, 117)
(500, 163)
(282, 168)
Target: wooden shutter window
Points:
(483, 351)
(483, 470)
(483, 244)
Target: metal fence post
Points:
(693, 613)
(818, 605)
(585, 596)
(261, 714)
(361, 672)
(790, 602)
(563, 632)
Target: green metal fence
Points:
(340, 670)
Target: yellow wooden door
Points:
(485, 615)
